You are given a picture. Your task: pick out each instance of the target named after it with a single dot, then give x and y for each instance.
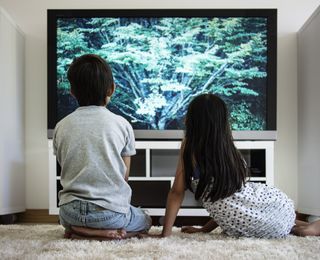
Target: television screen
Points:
(162, 59)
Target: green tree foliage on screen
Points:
(160, 64)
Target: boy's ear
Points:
(111, 90)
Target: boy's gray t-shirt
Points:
(89, 145)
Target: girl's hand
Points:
(190, 229)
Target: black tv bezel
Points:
(271, 15)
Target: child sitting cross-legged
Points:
(93, 147)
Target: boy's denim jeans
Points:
(87, 214)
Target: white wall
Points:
(308, 116)
(12, 131)
(31, 16)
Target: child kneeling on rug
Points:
(93, 147)
(214, 170)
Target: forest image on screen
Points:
(160, 64)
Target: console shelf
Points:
(153, 170)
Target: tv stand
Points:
(153, 169)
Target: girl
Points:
(214, 170)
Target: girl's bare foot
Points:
(190, 229)
(98, 233)
(312, 229)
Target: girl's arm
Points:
(174, 200)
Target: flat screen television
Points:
(162, 58)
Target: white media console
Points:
(153, 170)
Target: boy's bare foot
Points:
(67, 234)
(312, 229)
(78, 237)
(98, 233)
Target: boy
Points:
(93, 147)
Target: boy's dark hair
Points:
(209, 151)
(91, 80)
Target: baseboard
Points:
(37, 216)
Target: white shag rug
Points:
(47, 242)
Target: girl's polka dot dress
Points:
(257, 210)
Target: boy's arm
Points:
(174, 200)
(127, 161)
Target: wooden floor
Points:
(42, 216)
(37, 216)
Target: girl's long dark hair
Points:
(210, 151)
